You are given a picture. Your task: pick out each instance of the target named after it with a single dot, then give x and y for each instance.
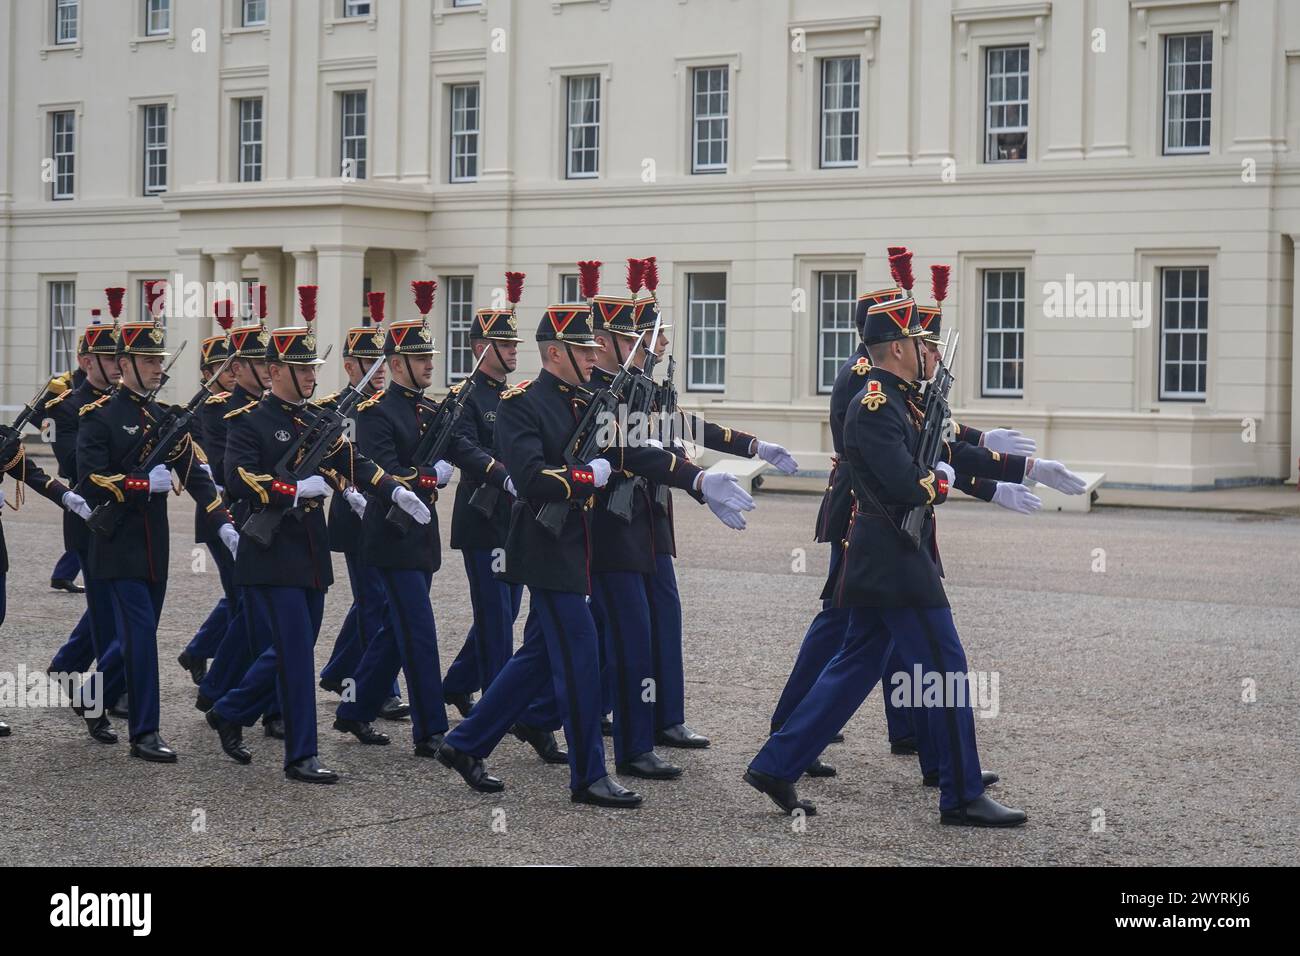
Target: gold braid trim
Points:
(110, 482)
(255, 482)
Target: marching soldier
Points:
(64, 575)
(671, 729)
(479, 533)
(211, 436)
(284, 583)
(132, 559)
(534, 431)
(390, 427)
(364, 346)
(95, 634)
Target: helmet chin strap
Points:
(297, 386)
(618, 352)
(99, 363)
(410, 373)
(582, 379)
(501, 362)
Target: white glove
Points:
(1055, 475)
(1017, 498)
(71, 501)
(356, 501)
(230, 538)
(510, 487)
(2, 497)
(313, 486)
(777, 457)
(207, 469)
(1008, 441)
(600, 470)
(410, 502)
(945, 469)
(160, 479)
(725, 498)
(444, 470)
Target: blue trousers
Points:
(408, 641)
(288, 620)
(491, 638)
(137, 606)
(94, 639)
(622, 614)
(66, 568)
(239, 647)
(824, 638)
(213, 630)
(666, 643)
(924, 636)
(559, 649)
(364, 620)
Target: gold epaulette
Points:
(59, 383)
(97, 403)
(58, 398)
(515, 390)
(372, 400)
(216, 399)
(322, 402)
(455, 389)
(239, 411)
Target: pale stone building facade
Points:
(766, 151)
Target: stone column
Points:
(340, 269)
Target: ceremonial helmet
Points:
(413, 336)
(367, 341)
(931, 317)
(500, 325)
(296, 344)
(571, 324)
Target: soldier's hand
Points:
(722, 493)
(1055, 475)
(944, 469)
(732, 519)
(207, 469)
(72, 502)
(1016, 498)
(777, 457)
(356, 501)
(313, 486)
(160, 479)
(230, 538)
(1008, 441)
(600, 470)
(410, 502)
(510, 487)
(444, 470)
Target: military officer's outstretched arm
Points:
(45, 485)
(733, 441)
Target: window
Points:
(353, 146)
(249, 300)
(841, 98)
(366, 287)
(63, 326)
(250, 140)
(63, 125)
(1184, 332)
(582, 150)
(709, 150)
(155, 149)
(1004, 332)
(1006, 111)
(157, 17)
(253, 13)
(356, 8)
(66, 15)
(837, 298)
(706, 311)
(464, 132)
(570, 289)
(460, 313)
(1187, 92)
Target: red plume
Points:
(514, 287)
(892, 251)
(261, 301)
(153, 291)
(115, 301)
(225, 313)
(589, 279)
(651, 274)
(635, 275)
(423, 290)
(939, 282)
(307, 302)
(376, 300)
(900, 266)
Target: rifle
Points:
(584, 442)
(303, 458)
(929, 449)
(640, 401)
(436, 437)
(12, 435)
(666, 399)
(151, 450)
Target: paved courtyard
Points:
(1120, 723)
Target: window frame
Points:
(343, 138)
(68, 313)
(1206, 93)
(455, 136)
(70, 154)
(245, 22)
(569, 126)
(152, 7)
(1201, 334)
(1001, 392)
(989, 104)
(719, 329)
(58, 7)
(820, 330)
(712, 168)
(147, 149)
(456, 330)
(823, 62)
(565, 279)
(242, 144)
(352, 9)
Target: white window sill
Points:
(332, 22)
(443, 8)
(167, 38)
(229, 32)
(61, 48)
